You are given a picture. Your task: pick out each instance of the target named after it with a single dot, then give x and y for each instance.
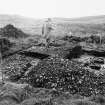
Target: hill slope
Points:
(89, 19)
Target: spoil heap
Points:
(64, 75)
(11, 31)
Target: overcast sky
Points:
(53, 8)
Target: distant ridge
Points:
(89, 19)
(28, 25)
(33, 26)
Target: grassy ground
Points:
(23, 94)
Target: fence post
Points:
(1, 62)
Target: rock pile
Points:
(14, 67)
(64, 75)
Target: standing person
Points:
(46, 31)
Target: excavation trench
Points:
(77, 52)
(95, 53)
(34, 54)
